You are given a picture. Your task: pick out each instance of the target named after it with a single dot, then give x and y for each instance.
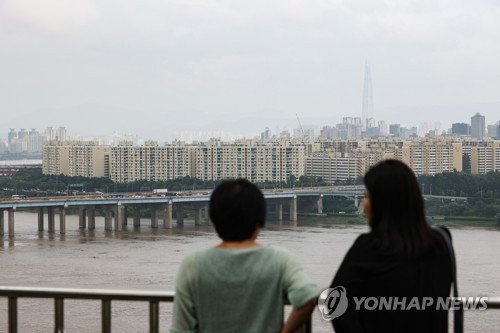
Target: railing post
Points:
(59, 314)
(106, 316)
(154, 322)
(12, 314)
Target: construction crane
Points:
(300, 126)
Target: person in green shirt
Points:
(240, 285)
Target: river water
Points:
(148, 259)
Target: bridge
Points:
(117, 207)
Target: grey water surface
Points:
(147, 259)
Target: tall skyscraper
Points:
(477, 126)
(367, 111)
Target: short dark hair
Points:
(397, 208)
(237, 208)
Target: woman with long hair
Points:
(395, 275)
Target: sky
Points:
(156, 68)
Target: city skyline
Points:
(382, 129)
(161, 68)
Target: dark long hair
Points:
(397, 209)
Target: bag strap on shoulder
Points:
(458, 314)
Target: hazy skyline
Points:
(158, 68)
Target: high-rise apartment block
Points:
(214, 160)
(75, 158)
(151, 162)
(429, 157)
(266, 160)
(424, 157)
(350, 128)
(485, 158)
(24, 141)
(256, 161)
(332, 169)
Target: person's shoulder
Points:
(279, 255)
(440, 229)
(191, 258)
(277, 250)
(363, 240)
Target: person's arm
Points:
(299, 316)
(301, 292)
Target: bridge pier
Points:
(119, 217)
(1, 222)
(91, 217)
(180, 215)
(51, 219)
(279, 211)
(108, 217)
(11, 222)
(40, 219)
(82, 217)
(167, 215)
(62, 220)
(125, 216)
(137, 216)
(319, 204)
(206, 214)
(154, 216)
(293, 210)
(197, 214)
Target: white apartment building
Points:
(485, 159)
(332, 169)
(150, 162)
(429, 157)
(256, 161)
(75, 158)
(55, 158)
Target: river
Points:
(148, 259)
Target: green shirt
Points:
(221, 290)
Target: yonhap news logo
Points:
(333, 303)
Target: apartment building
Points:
(485, 158)
(332, 169)
(262, 160)
(75, 158)
(429, 157)
(55, 158)
(256, 161)
(150, 162)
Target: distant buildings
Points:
(266, 160)
(460, 129)
(257, 161)
(75, 158)
(340, 152)
(477, 126)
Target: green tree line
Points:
(32, 182)
(482, 191)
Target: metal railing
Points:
(106, 296)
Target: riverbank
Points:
(355, 219)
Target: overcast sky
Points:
(158, 67)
